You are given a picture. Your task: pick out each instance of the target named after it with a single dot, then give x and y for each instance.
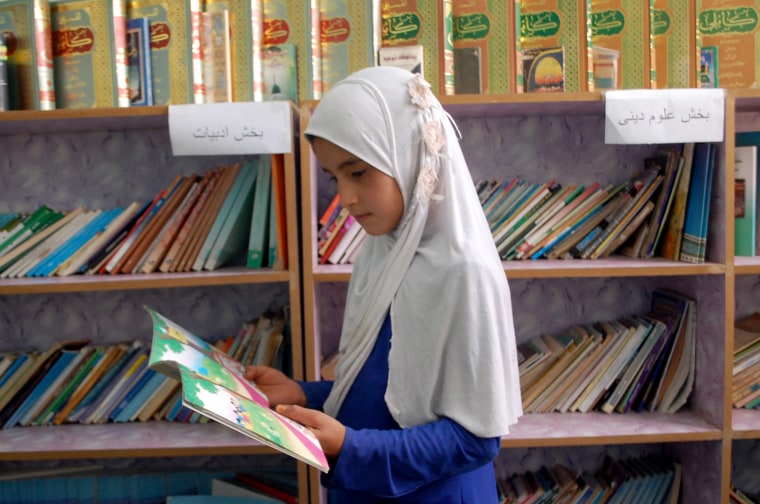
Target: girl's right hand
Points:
(276, 385)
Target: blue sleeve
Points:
(395, 462)
(316, 393)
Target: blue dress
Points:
(436, 463)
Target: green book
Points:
(257, 239)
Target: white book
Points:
(353, 229)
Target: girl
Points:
(427, 379)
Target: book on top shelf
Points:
(213, 385)
(752, 138)
(29, 41)
(745, 200)
(5, 103)
(138, 62)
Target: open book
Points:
(213, 384)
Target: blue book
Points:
(12, 369)
(58, 365)
(137, 396)
(698, 205)
(138, 62)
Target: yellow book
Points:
(674, 37)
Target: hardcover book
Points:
(280, 72)
(89, 53)
(674, 38)
(544, 69)
(5, 103)
(138, 60)
(745, 200)
(28, 37)
(213, 385)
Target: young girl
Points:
(427, 379)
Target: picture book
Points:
(544, 70)
(280, 72)
(213, 385)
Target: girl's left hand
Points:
(328, 430)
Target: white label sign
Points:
(652, 116)
(231, 128)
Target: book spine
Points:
(196, 44)
(43, 36)
(4, 91)
(257, 49)
(121, 64)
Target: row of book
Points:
(293, 49)
(647, 479)
(746, 362)
(76, 382)
(95, 484)
(230, 215)
(662, 211)
(643, 362)
(339, 235)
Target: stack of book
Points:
(231, 214)
(637, 363)
(340, 236)
(661, 210)
(76, 382)
(650, 479)
(746, 369)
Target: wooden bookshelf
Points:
(544, 136)
(101, 158)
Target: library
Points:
(154, 156)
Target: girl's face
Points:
(372, 197)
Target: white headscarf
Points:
(453, 351)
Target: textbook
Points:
(213, 385)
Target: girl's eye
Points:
(358, 173)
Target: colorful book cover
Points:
(488, 26)
(89, 53)
(246, 26)
(416, 22)
(544, 70)
(217, 57)
(708, 67)
(746, 138)
(214, 386)
(170, 49)
(554, 23)
(28, 39)
(674, 38)
(280, 72)
(138, 60)
(347, 38)
(624, 26)
(745, 200)
(290, 22)
(5, 103)
(732, 27)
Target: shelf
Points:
(139, 439)
(745, 423)
(746, 265)
(595, 428)
(91, 283)
(545, 104)
(15, 122)
(617, 266)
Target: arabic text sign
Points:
(231, 128)
(644, 116)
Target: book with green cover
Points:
(257, 240)
(233, 235)
(213, 384)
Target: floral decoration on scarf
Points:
(432, 135)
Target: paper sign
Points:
(652, 116)
(231, 128)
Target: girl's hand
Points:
(276, 385)
(328, 430)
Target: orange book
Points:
(116, 264)
(171, 228)
(181, 243)
(278, 192)
(154, 227)
(209, 215)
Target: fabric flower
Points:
(419, 91)
(433, 136)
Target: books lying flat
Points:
(213, 385)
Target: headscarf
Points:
(453, 351)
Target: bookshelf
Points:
(101, 158)
(543, 136)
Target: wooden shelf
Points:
(135, 439)
(91, 283)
